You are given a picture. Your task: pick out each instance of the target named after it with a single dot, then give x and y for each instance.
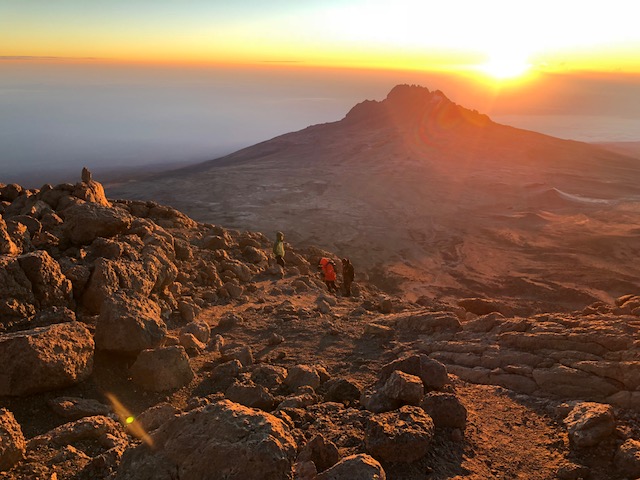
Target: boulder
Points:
(429, 322)
(156, 416)
(254, 255)
(45, 358)
(301, 375)
(627, 458)
(17, 300)
(91, 191)
(12, 443)
(355, 467)
(50, 287)
(129, 324)
(7, 245)
(445, 409)
(234, 441)
(109, 276)
(270, 376)
(105, 431)
(84, 222)
(251, 395)
(342, 390)
(404, 387)
(73, 408)
(161, 369)
(432, 373)
(322, 452)
(404, 435)
(589, 423)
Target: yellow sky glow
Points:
(497, 38)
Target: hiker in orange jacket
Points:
(328, 267)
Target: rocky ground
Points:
(137, 343)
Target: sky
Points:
(134, 82)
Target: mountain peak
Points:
(411, 105)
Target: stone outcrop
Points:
(582, 355)
(404, 435)
(45, 358)
(589, 423)
(12, 443)
(129, 324)
(162, 369)
(223, 437)
(355, 467)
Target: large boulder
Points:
(7, 245)
(17, 300)
(355, 467)
(90, 191)
(45, 358)
(432, 373)
(234, 441)
(109, 276)
(405, 388)
(129, 324)
(162, 369)
(84, 222)
(445, 409)
(403, 435)
(50, 287)
(627, 458)
(590, 423)
(12, 444)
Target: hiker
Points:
(347, 276)
(329, 273)
(278, 249)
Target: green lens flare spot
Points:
(129, 420)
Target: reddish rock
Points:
(84, 222)
(355, 467)
(403, 387)
(432, 373)
(162, 369)
(50, 287)
(445, 409)
(223, 437)
(590, 423)
(300, 375)
(627, 458)
(45, 358)
(12, 443)
(403, 435)
(129, 325)
(322, 452)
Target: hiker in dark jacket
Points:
(278, 248)
(347, 276)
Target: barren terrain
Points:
(493, 331)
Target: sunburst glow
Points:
(503, 67)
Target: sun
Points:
(505, 67)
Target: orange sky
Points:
(498, 38)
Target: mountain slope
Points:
(434, 199)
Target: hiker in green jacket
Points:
(278, 248)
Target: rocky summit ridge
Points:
(137, 343)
